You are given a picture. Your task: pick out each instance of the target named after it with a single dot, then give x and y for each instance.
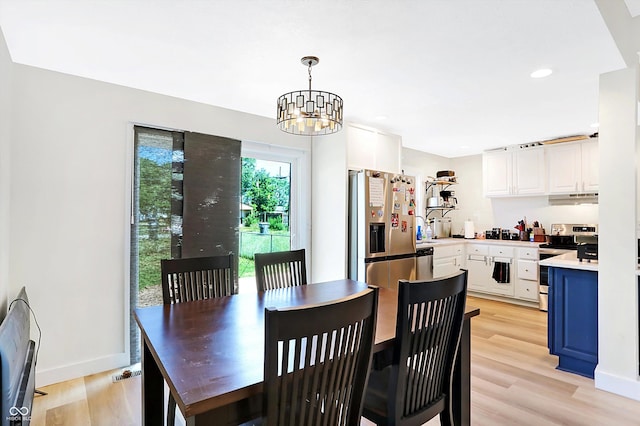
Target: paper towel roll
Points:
(468, 229)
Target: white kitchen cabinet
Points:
(514, 172)
(573, 167)
(500, 255)
(370, 149)
(590, 166)
(527, 290)
(481, 263)
(526, 286)
(447, 259)
(497, 171)
(529, 177)
(479, 267)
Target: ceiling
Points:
(449, 76)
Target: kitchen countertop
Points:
(570, 261)
(448, 241)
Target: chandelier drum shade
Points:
(310, 112)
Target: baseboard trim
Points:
(622, 386)
(507, 299)
(81, 369)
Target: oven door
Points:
(543, 287)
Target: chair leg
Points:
(445, 418)
(171, 411)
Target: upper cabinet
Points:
(370, 149)
(497, 168)
(590, 166)
(517, 172)
(573, 167)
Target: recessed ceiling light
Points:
(595, 124)
(544, 72)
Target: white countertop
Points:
(570, 261)
(449, 241)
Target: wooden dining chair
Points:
(315, 371)
(417, 385)
(280, 269)
(195, 278)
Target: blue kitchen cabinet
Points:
(573, 319)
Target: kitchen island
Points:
(573, 313)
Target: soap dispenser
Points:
(429, 232)
(419, 233)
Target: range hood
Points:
(573, 199)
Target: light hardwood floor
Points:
(514, 382)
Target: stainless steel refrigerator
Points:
(382, 234)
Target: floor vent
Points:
(126, 374)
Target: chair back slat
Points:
(316, 371)
(280, 269)
(197, 278)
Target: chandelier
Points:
(309, 112)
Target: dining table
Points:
(210, 352)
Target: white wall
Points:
(70, 171)
(618, 330)
(507, 212)
(422, 165)
(471, 203)
(329, 207)
(5, 153)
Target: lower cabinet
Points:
(508, 271)
(479, 267)
(447, 259)
(527, 281)
(573, 319)
(502, 278)
(490, 269)
(527, 290)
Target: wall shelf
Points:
(436, 186)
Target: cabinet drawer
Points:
(478, 249)
(501, 251)
(528, 253)
(445, 266)
(447, 250)
(527, 289)
(528, 270)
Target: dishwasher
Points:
(424, 264)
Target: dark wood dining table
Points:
(210, 352)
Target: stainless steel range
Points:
(564, 238)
